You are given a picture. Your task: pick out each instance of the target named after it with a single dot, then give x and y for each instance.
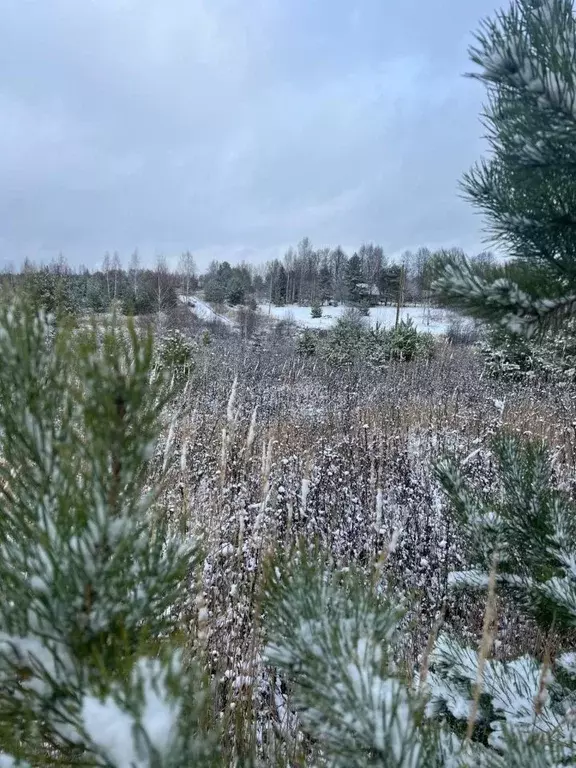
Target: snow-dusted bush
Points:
(307, 343)
(175, 354)
(352, 340)
(462, 331)
(405, 342)
(316, 310)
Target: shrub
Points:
(235, 293)
(364, 308)
(346, 340)
(351, 339)
(215, 291)
(175, 355)
(462, 331)
(286, 326)
(307, 343)
(405, 342)
(146, 300)
(316, 310)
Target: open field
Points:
(428, 319)
(269, 447)
(425, 319)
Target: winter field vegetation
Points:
(232, 537)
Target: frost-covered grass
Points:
(269, 448)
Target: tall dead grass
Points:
(270, 448)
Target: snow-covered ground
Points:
(431, 320)
(204, 310)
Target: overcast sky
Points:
(234, 127)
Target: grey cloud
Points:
(233, 128)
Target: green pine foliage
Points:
(336, 634)
(175, 355)
(507, 355)
(52, 291)
(521, 537)
(316, 310)
(527, 523)
(524, 531)
(91, 672)
(525, 188)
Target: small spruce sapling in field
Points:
(316, 310)
(405, 342)
(175, 355)
(364, 308)
(307, 343)
(91, 581)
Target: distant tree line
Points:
(62, 290)
(305, 276)
(308, 276)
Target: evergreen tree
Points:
(354, 279)
(50, 288)
(96, 294)
(215, 291)
(224, 272)
(235, 292)
(278, 285)
(90, 587)
(521, 539)
(316, 310)
(390, 283)
(526, 187)
(325, 288)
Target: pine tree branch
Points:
(500, 301)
